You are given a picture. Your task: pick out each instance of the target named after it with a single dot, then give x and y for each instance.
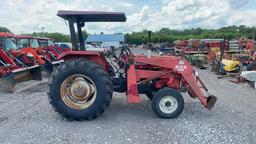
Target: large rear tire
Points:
(80, 89)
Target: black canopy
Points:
(80, 17)
(92, 16)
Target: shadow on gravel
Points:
(38, 88)
(30, 87)
(4, 119)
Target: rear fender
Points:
(97, 57)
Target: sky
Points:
(26, 16)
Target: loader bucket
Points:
(22, 75)
(211, 100)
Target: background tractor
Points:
(82, 87)
(48, 45)
(12, 68)
(41, 53)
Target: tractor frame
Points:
(81, 88)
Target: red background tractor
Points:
(40, 50)
(12, 69)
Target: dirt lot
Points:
(27, 117)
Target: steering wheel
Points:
(125, 50)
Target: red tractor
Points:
(47, 44)
(12, 69)
(30, 45)
(250, 46)
(26, 52)
(82, 87)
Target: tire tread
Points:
(91, 67)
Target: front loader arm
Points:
(194, 89)
(177, 65)
(186, 70)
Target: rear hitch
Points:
(211, 100)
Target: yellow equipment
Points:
(231, 65)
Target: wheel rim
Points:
(78, 92)
(168, 104)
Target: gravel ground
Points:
(27, 117)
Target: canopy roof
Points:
(92, 16)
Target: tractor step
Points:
(57, 62)
(211, 101)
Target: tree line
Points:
(165, 34)
(168, 35)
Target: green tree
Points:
(4, 29)
(85, 34)
(168, 35)
(58, 37)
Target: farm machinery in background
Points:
(233, 55)
(12, 67)
(198, 60)
(250, 75)
(250, 46)
(235, 59)
(195, 51)
(41, 49)
(48, 45)
(23, 59)
(166, 49)
(221, 65)
(162, 49)
(82, 87)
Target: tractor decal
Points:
(181, 66)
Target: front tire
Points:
(167, 103)
(80, 89)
